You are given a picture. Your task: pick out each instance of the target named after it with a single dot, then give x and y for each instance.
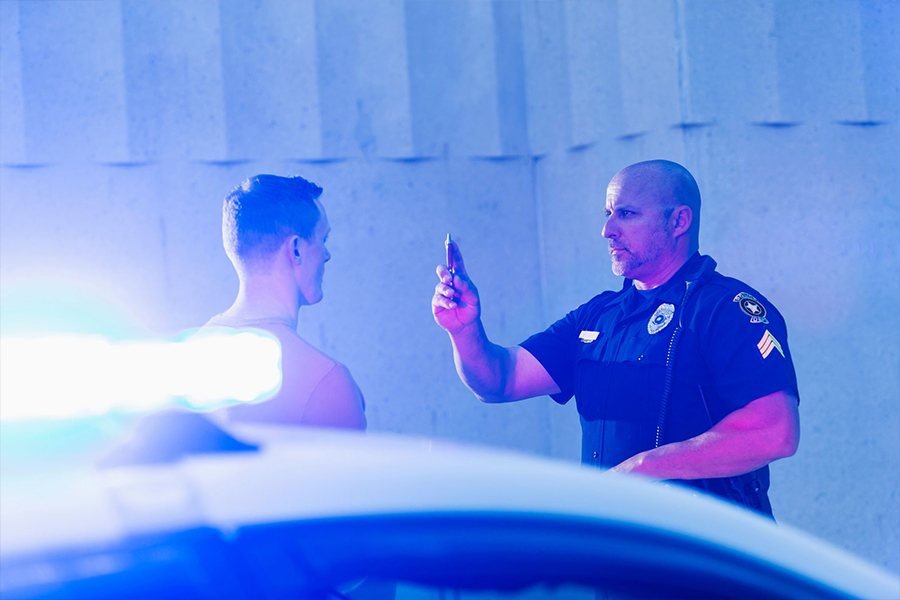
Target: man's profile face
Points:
(636, 229)
(315, 255)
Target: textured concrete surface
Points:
(123, 124)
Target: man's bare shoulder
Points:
(296, 352)
(315, 389)
(294, 347)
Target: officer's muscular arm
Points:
(764, 430)
(492, 372)
(495, 373)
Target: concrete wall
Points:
(123, 124)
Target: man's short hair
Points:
(260, 213)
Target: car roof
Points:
(302, 474)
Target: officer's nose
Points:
(610, 231)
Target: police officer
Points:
(683, 374)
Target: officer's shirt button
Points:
(596, 455)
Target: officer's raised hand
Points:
(455, 304)
(493, 373)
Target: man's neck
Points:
(265, 297)
(663, 273)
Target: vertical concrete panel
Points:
(595, 75)
(173, 65)
(650, 65)
(820, 61)
(73, 81)
(546, 76)
(384, 77)
(510, 69)
(12, 111)
(271, 83)
(880, 40)
(730, 69)
(363, 79)
(337, 46)
(453, 82)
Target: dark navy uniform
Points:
(611, 353)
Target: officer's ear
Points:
(680, 220)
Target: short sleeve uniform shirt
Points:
(611, 352)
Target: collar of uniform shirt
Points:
(671, 291)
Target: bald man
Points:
(683, 374)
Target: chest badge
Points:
(661, 318)
(752, 307)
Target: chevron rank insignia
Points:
(767, 344)
(752, 307)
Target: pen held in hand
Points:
(451, 267)
(450, 255)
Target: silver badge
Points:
(661, 318)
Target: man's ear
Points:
(295, 248)
(681, 220)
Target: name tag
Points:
(588, 336)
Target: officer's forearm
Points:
(763, 431)
(482, 365)
(705, 456)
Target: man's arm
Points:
(493, 373)
(751, 437)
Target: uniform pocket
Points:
(592, 379)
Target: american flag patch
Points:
(767, 344)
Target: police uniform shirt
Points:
(611, 354)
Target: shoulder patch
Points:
(752, 307)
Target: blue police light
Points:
(72, 376)
(72, 351)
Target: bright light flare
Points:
(65, 376)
